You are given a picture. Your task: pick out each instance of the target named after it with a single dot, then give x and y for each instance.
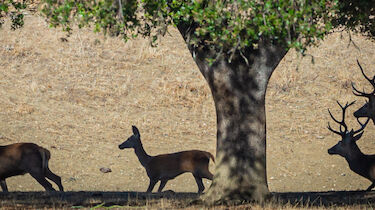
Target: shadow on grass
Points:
(100, 198)
(91, 199)
(330, 198)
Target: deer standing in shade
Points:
(368, 109)
(21, 158)
(167, 166)
(362, 164)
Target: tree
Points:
(237, 44)
(357, 16)
(14, 10)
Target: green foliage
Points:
(105, 16)
(295, 24)
(358, 16)
(14, 9)
(227, 25)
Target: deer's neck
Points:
(357, 162)
(354, 154)
(143, 157)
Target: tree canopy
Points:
(14, 10)
(226, 25)
(358, 16)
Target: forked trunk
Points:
(238, 89)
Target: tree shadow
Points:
(327, 199)
(179, 200)
(91, 199)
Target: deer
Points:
(21, 158)
(368, 109)
(166, 167)
(362, 164)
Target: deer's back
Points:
(174, 164)
(16, 158)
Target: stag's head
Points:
(133, 141)
(348, 138)
(368, 109)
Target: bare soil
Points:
(79, 99)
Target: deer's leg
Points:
(371, 186)
(39, 176)
(162, 184)
(53, 177)
(198, 179)
(3, 185)
(151, 185)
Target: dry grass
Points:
(297, 116)
(79, 99)
(170, 200)
(82, 97)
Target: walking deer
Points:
(167, 166)
(21, 158)
(368, 109)
(362, 164)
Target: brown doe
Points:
(362, 164)
(167, 166)
(21, 158)
(368, 109)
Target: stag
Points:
(362, 164)
(21, 158)
(368, 109)
(167, 166)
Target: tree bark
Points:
(238, 88)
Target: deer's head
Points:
(133, 141)
(347, 143)
(368, 109)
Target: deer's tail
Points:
(211, 156)
(46, 155)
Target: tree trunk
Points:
(239, 92)
(239, 89)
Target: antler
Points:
(342, 122)
(372, 82)
(362, 126)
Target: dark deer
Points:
(21, 158)
(368, 109)
(360, 163)
(167, 166)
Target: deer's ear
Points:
(357, 137)
(135, 131)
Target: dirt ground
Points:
(79, 99)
